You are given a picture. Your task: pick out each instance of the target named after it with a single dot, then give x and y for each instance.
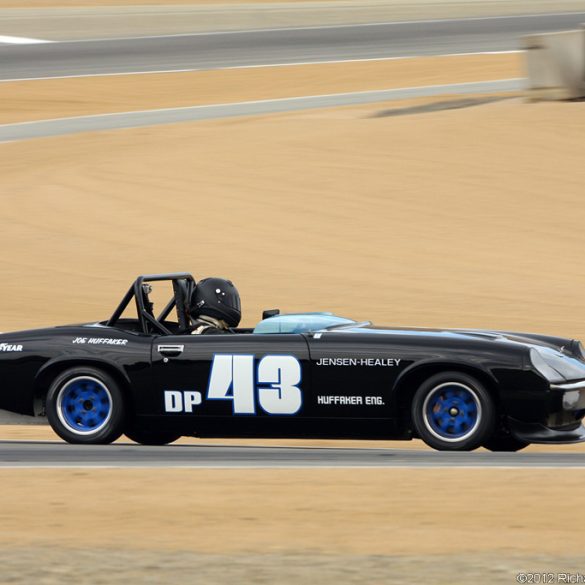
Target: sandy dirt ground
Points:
(55, 98)
(378, 526)
(375, 511)
(454, 227)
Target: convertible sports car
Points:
(297, 375)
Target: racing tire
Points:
(85, 406)
(452, 411)
(504, 443)
(151, 437)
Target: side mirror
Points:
(270, 313)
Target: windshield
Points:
(300, 323)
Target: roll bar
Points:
(183, 286)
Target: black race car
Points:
(297, 375)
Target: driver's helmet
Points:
(217, 298)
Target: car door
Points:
(236, 384)
(352, 375)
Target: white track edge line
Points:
(10, 40)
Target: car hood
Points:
(531, 339)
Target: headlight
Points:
(572, 400)
(555, 366)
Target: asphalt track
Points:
(56, 454)
(272, 47)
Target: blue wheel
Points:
(85, 405)
(453, 411)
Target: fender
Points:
(56, 365)
(416, 373)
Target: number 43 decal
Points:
(276, 384)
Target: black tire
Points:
(151, 437)
(504, 443)
(85, 406)
(452, 411)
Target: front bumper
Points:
(539, 433)
(579, 385)
(568, 406)
(573, 395)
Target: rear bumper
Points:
(539, 433)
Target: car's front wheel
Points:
(452, 411)
(85, 405)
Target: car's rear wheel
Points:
(452, 411)
(504, 443)
(151, 437)
(85, 405)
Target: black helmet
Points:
(217, 298)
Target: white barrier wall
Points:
(555, 65)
